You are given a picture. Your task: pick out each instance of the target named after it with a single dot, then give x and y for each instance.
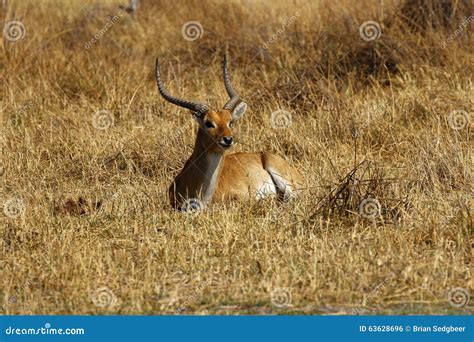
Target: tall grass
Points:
(87, 223)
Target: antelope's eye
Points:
(209, 124)
(231, 124)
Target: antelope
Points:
(212, 175)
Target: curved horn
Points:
(194, 106)
(234, 96)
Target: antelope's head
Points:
(215, 126)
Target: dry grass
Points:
(370, 120)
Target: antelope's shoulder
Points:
(243, 170)
(243, 176)
(252, 157)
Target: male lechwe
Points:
(211, 175)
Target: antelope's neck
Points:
(208, 166)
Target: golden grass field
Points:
(89, 149)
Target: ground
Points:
(376, 116)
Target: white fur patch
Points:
(266, 189)
(283, 185)
(211, 176)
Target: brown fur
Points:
(239, 175)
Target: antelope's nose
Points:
(228, 140)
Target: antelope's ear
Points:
(239, 111)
